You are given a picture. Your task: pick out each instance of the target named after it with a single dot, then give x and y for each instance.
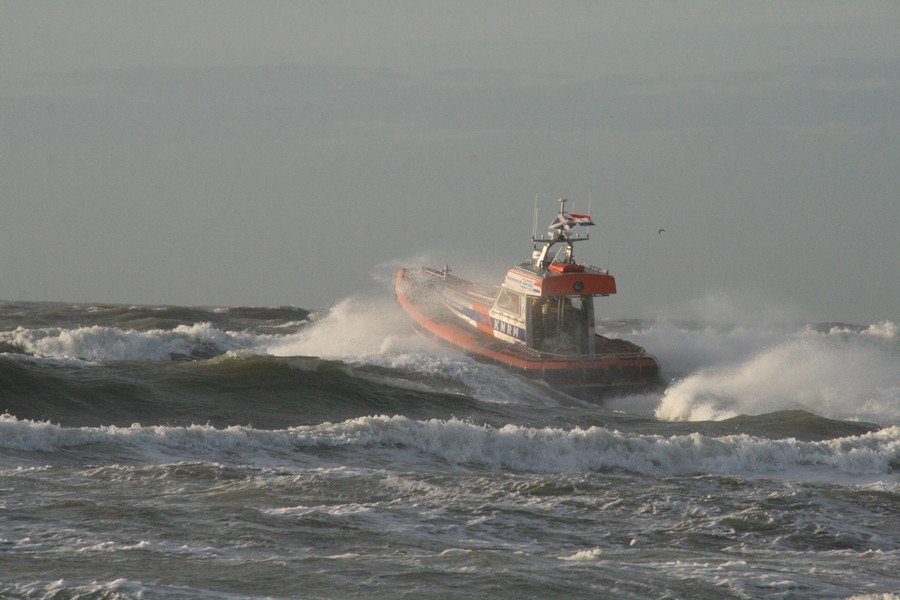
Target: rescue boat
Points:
(539, 322)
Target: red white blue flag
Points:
(568, 220)
(584, 220)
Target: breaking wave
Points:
(98, 343)
(719, 371)
(455, 442)
(375, 332)
(841, 373)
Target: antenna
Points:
(534, 223)
(589, 202)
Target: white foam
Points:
(584, 555)
(370, 331)
(758, 365)
(111, 546)
(353, 330)
(885, 330)
(682, 349)
(374, 331)
(721, 370)
(118, 588)
(340, 510)
(98, 343)
(62, 588)
(157, 441)
(841, 374)
(545, 450)
(344, 556)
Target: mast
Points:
(556, 235)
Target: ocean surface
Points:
(181, 452)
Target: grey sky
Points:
(247, 153)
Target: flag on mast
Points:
(584, 220)
(567, 221)
(562, 222)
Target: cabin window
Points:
(560, 324)
(509, 302)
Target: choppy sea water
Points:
(174, 452)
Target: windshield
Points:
(559, 324)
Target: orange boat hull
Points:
(607, 368)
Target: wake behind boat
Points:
(539, 322)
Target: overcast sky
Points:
(285, 153)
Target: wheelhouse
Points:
(547, 303)
(550, 324)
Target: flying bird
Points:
(660, 232)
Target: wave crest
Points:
(98, 343)
(458, 442)
(842, 374)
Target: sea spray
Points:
(272, 475)
(840, 374)
(354, 329)
(374, 331)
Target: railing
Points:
(604, 271)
